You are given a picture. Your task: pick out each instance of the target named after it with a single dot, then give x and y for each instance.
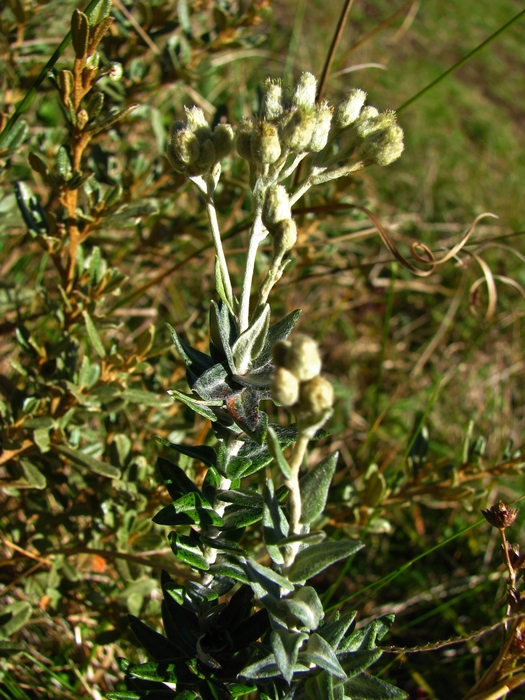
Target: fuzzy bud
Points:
(196, 121)
(383, 147)
(305, 91)
(285, 387)
(297, 130)
(323, 121)
(272, 102)
(243, 139)
(316, 398)
(371, 121)
(266, 147)
(184, 147)
(284, 236)
(82, 118)
(276, 206)
(223, 139)
(347, 111)
(303, 358)
(206, 158)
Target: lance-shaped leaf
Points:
(249, 344)
(367, 637)
(215, 384)
(285, 645)
(314, 488)
(366, 686)
(203, 453)
(187, 550)
(274, 448)
(85, 460)
(334, 631)
(267, 668)
(355, 662)
(275, 525)
(190, 509)
(244, 409)
(223, 332)
(114, 115)
(155, 644)
(266, 577)
(302, 609)
(279, 331)
(321, 687)
(79, 33)
(175, 479)
(181, 625)
(250, 499)
(320, 653)
(197, 362)
(199, 407)
(318, 557)
(236, 518)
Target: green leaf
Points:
(79, 33)
(144, 398)
(279, 331)
(265, 576)
(214, 384)
(195, 360)
(320, 653)
(198, 406)
(84, 460)
(285, 645)
(202, 453)
(99, 12)
(175, 479)
(367, 687)
(367, 637)
(320, 687)
(190, 509)
(318, 557)
(314, 488)
(355, 662)
(274, 448)
(249, 499)
(188, 551)
(33, 475)
(94, 336)
(221, 287)
(114, 115)
(302, 609)
(249, 344)
(14, 616)
(334, 632)
(275, 524)
(223, 332)
(235, 518)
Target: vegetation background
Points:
(84, 369)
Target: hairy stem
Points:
(294, 498)
(257, 235)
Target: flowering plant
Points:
(250, 527)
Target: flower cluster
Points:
(195, 149)
(297, 383)
(303, 127)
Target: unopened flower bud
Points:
(223, 139)
(206, 158)
(196, 120)
(305, 91)
(297, 130)
(284, 236)
(272, 102)
(243, 139)
(276, 206)
(347, 111)
(303, 358)
(285, 387)
(115, 72)
(370, 121)
(82, 118)
(383, 147)
(500, 516)
(323, 120)
(316, 398)
(184, 147)
(266, 147)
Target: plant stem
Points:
(294, 498)
(257, 235)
